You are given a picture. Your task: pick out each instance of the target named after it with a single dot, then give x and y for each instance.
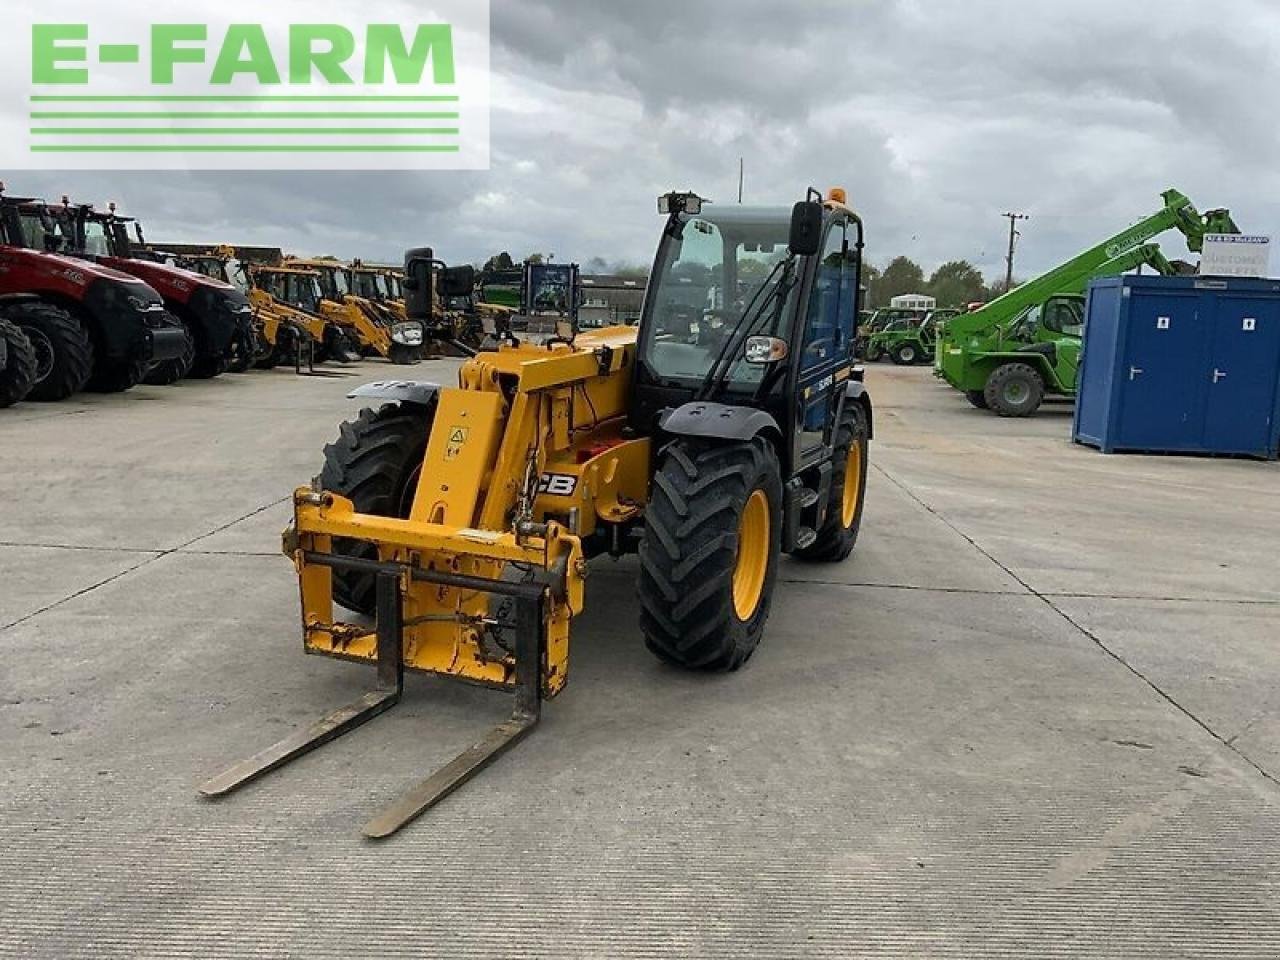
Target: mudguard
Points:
(417, 392)
(719, 421)
(856, 391)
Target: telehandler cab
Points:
(711, 439)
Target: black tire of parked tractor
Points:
(403, 355)
(243, 349)
(837, 539)
(64, 352)
(18, 375)
(116, 376)
(374, 463)
(207, 366)
(171, 371)
(977, 398)
(689, 552)
(1014, 390)
(905, 354)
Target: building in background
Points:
(608, 299)
(913, 301)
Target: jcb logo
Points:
(558, 484)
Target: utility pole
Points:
(740, 173)
(1013, 239)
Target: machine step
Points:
(805, 537)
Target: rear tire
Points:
(1014, 390)
(703, 601)
(19, 372)
(839, 534)
(977, 398)
(905, 354)
(63, 350)
(374, 463)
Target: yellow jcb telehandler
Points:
(358, 308)
(292, 294)
(728, 428)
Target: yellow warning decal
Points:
(457, 438)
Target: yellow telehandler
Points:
(731, 426)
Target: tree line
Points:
(953, 284)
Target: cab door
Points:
(825, 345)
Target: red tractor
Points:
(216, 315)
(91, 327)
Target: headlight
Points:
(143, 306)
(408, 334)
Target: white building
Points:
(913, 301)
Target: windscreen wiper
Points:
(718, 374)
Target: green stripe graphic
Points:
(220, 131)
(236, 115)
(242, 148)
(141, 98)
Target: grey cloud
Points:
(937, 116)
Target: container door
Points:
(1162, 374)
(1243, 376)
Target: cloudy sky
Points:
(937, 115)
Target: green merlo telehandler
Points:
(1025, 345)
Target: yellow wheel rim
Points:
(852, 484)
(752, 562)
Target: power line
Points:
(1013, 240)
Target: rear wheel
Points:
(1014, 390)
(839, 533)
(63, 350)
(19, 372)
(710, 552)
(977, 398)
(375, 463)
(905, 354)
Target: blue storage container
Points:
(1181, 364)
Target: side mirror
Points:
(459, 281)
(417, 283)
(806, 228)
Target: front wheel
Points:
(403, 355)
(905, 354)
(1014, 390)
(977, 398)
(18, 374)
(709, 558)
(63, 350)
(375, 463)
(169, 371)
(839, 532)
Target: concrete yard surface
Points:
(1036, 714)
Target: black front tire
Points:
(64, 352)
(977, 397)
(116, 376)
(403, 355)
(905, 354)
(1014, 390)
(374, 463)
(165, 372)
(690, 551)
(18, 375)
(837, 538)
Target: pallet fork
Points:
(530, 644)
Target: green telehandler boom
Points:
(1007, 355)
